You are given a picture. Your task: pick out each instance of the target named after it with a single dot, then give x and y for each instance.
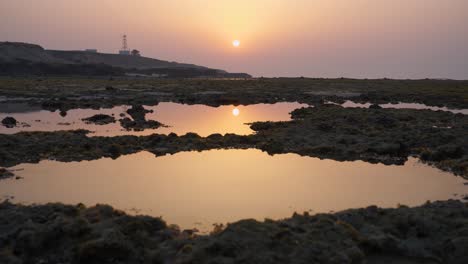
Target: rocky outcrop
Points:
(99, 119)
(55, 233)
(9, 122)
(5, 174)
(139, 122)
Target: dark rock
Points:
(4, 173)
(110, 249)
(115, 151)
(56, 233)
(9, 122)
(100, 119)
(138, 112)
(375, 106)
(139, 122)
(52, 105)
(129, 124)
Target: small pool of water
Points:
(351, 104)
(197, 189)
(181, 119)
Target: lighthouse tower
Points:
(124, 50)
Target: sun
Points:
(236, 43)
(235, 112)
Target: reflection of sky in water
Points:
(201, 119)
(228, 185)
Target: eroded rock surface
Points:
(64, 94)
(9, 122)
(100, 119)
(55, 233)
(139, 122)
(5, 174)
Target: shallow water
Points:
(417, 106)
(197, 189)
(181, 119)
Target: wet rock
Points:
(115, 151)
(386, 148)
(52, 105)
(99, 119)
(458, 248)
(386, 121)
(324, 127)
(9, 122)
(4, 173)
(139, 122)
(75, 234)
(110, 88)
(219, 137)
(138, 113)
(64, 124)
(444, 152)
(112, 248)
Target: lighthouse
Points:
(124, 50)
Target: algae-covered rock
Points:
(9, 122)
(99, 119)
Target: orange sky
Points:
(325, 38)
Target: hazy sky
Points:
(317, 38)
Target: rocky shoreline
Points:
(64, 94)
(435, 232)
(386, 136)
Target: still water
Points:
(197, 189)
(180, 119)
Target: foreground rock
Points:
(129, 124)
(138, 113)
(99, 119)
(139, 122)
(55, 233)
(9, 122)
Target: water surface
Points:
(180, 119)
(197, 189)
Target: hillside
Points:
(30, 59)
(14, 51)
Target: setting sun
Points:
(146, 99)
